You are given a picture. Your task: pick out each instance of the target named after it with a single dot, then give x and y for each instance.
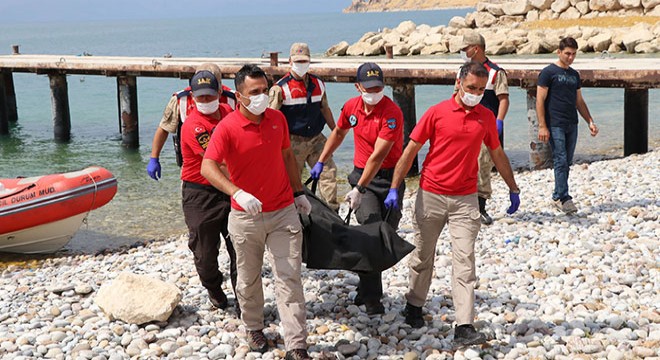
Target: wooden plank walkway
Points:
(596, 71)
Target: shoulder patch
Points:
(352, 120)
(203, 139)
(391, 123)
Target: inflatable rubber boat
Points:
(41, 214)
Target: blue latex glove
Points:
(153, 168)
(500, 127)
(515, 202)
(392, 199)
(316, 171)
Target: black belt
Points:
(192, 185)
(382, 173)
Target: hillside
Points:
(404, 5)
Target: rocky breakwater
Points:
(508, 27)
(551, 287)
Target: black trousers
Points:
(372, 209)
(206, 211)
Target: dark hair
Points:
(568, 42)
(248, 70)
(474, 68)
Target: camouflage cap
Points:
(473, 38)
(299, 52)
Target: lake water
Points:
(145, 209)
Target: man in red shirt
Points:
(448, 194)
(206, 210)
(180, 105)
(264, 183)
(377, 124)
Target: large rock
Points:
(570, 14)
(400, 49)
(138, 299)
(416, 37)
(507, 47)
(434, 49)
(434, 39)
(368, 35)
(541, 4)
(600, 42)
(337, 49)
(629, 4)
(519, 7)
(604, 5)
(495, 9)
(647, 47)
(654, 12)
(365, 49)
(455, 43)
(457, 22)
(560, 6)
(531, 47)
(636, 36)
(511, 21)
(532, 15)
(406, 28)
(484, 19)
(582, 7)
(650, 4)
(392, 38)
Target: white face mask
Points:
(300, 68)
(470, 99)
(465, 57)
(373, 98)
(258, 104)
(209, 107)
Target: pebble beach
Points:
(551, 286)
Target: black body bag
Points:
(330, 242)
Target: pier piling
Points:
(128, 111)
(635, 121)
(4, 119)
(404, 96)
(59, 99)
(7, 77)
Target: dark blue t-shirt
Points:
(560, 104)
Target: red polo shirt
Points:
(385, 121)
(253, 154)
(195, 135)
(451, 165)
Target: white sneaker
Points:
(568, 207)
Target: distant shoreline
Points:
(398, 6)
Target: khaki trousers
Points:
(308, 150)
(485, 168)
(432, 212)
(280, 231)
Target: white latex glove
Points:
(302, 204)
(248, 202)
(354, 198)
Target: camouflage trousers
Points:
(307, 151)
(485, 168)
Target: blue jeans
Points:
(562, 142)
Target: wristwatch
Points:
(361, 189)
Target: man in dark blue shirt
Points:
(558, 96)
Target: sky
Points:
(26, 11)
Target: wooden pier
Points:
(635, 75)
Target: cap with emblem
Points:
(472, 38)
(299, 52)
(204, 83)
(370, 75)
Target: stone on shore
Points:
(138, 299)
(495, 18)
